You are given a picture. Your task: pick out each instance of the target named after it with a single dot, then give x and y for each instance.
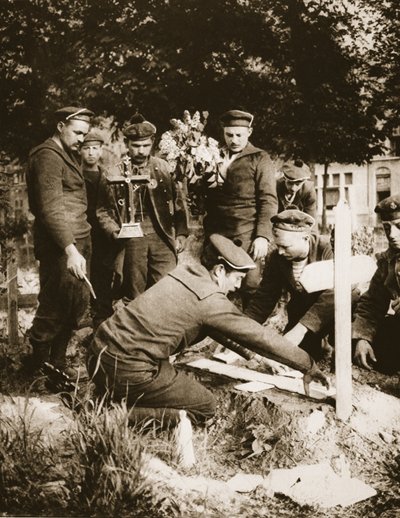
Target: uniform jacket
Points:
(166, 200)
(245, 202)
(57, 197)
(178, 311)
(374, 303)
(314, 310)
(92, 181)
(305, 198)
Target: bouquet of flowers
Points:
(191, 154)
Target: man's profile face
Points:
(392, 231)
(291, 245)
(233, 281)
(140, 150)
(91, 152)
(237, 137)
(292, 186)
(72, 133)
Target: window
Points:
(348, 178)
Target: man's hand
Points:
(274, 366)
(396, 306)
(180, 243)
(76, 263)
(314, 374)
(259, 248)
(363, 354)
(296, 334)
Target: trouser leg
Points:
(161, 260)
(62, 301)
(135, 267)
(101, 278)
(161, 388)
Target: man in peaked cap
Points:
(100, 274)
(376, 325)
(242, 200)
(129, 356)
(57, 199)
(295, 189)
(310, 315)
(158, 213)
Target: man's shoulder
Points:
(196, 279)
(257, 152)
(46, 148)
(159, 164)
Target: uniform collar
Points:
(197, 279)
(248, 150)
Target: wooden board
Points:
(317, 391)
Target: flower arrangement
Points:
(191, 155)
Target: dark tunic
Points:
(57, 197)
(246, 200)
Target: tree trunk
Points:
(324, 227)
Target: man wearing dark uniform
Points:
(100, 274)
(57, 199)
(295, 189)
(241, 199)
(150, 224)
(376, 325)
(310, 315)
(129, 357)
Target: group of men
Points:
(122, 229)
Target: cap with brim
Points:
(69, 113)
(234, 118)
(293, 220)
(233, 255)
(296, 171)
(389, 208)
(139, 128)
(94, 135)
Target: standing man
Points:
(310, 315)
(295, 189)
(242, 201)
(141, 208)
(57, 199)
(376, 326)
(100, 274)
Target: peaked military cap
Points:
(231, 253)
(234, 118)
(73, 113)
(139, 128)
(389, 208)
(293, 220)
(296, 171)
(94, 135)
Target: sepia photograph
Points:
(200, 258)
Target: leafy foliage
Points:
(301, 66)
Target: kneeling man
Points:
(376, 326)
(129, 356)
(310, 315)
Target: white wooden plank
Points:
(317, 391)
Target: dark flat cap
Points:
(296, 171)
(234, 118)
(232, 254)
(389, 208)
(73, 113)
(293, 220)
(139, 128)
(94, 135)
